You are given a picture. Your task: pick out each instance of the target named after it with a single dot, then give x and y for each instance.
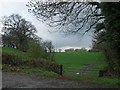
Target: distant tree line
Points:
(75, 50)
(20, 34)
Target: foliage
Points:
(81, 50)
(41, 49)
(108, 35)
(69, 50)
(49, 48)
(16, 60)
(59, 50)
(28, 70)
(75, 50)
(20, 34)
(17, 31)
(42, 63)
(35, 49)
(98, 43)
(11, 59)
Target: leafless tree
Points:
(69, 17)
(49, 48)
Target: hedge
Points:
(14, 60)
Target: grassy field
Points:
(75, 62)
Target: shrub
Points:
(42, 63)
(14, 60)
(35, 49)
(11, 59)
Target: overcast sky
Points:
(8, 7)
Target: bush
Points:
(35, 49)
(42, 63)
(11, 59)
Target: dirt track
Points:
(15, 80)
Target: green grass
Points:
(106, 80)
(16, 52)
(73, 62)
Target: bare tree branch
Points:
(72, 17)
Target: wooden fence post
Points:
(61, 69)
